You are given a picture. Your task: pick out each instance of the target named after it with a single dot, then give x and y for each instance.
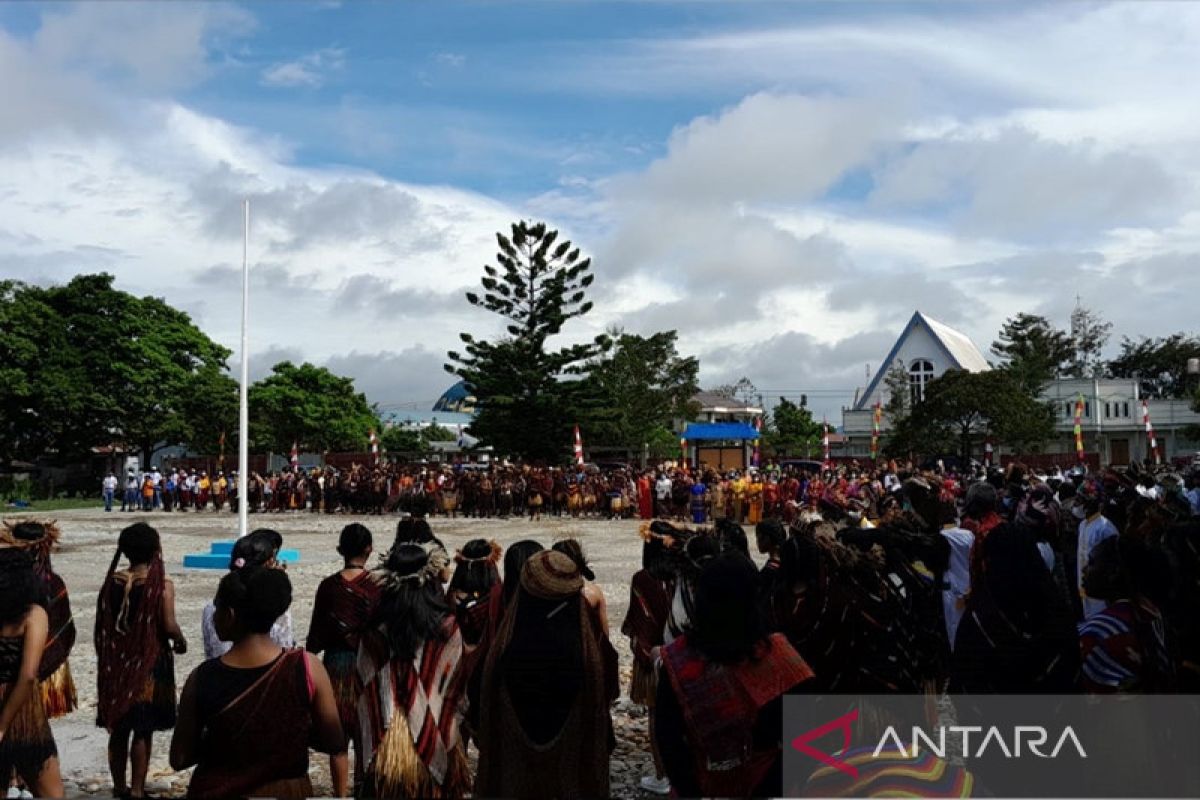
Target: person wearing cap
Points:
(545, 729)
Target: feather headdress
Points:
(436, 562)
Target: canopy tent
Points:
(719, 431)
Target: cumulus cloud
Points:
(310, 71)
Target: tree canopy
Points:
(790, 429)
(1033, 351)
(637, 388)
(309, 406)
(87, 365)
(961, 408)
(528, 392)
(1089, 334)
(1159, 364)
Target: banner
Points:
(1151, 441)
(825, 444)
(876, 420)
(755, 457)
(374, 446)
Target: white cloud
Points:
(310, 71)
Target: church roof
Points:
(960, 351)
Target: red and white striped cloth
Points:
(578, 448)
(374, 446)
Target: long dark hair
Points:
(514, 560)
(476, 573)
(727, 624)
(255, 549)
(19, 587)
(413, 607)
(572, 549)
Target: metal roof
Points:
(713, 431)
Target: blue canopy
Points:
(712, 431)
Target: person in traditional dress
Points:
(645, 496)
(546, 730)
(413, 686)
(56, 684)
(345, 604)
(650, 593)
(593, 595)
(27, 746)
(476, 578)
(769, 538)
(247, 718)
(136, 639)
(699, 502)
(1016, 634)
(1124, 647)
(721, 687)
(259, 548)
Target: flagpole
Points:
(244, 401)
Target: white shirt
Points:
(663, 488)
(1092, 531)
(281, 633)
(957, 578)
(111, 483)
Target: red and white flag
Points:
(295, 455)
(825, 444)
(374, 446)
(1151, 440)
(578, 448)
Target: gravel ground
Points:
(89, 539)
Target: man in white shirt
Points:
(662, 491)
(110, 485)
(132, 488)
(1093, 529)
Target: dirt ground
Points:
(89, 540)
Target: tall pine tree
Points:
(526, 390)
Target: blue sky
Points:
(784, 183)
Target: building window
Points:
(1126, 413)
(919, 376)
(1107, 410)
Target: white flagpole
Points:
(244, 404)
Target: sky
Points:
(782, 183)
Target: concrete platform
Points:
(218, 556)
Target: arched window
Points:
(920, 373)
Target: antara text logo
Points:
(974, 741)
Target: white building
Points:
(1112, 416)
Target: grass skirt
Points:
(58, 692)
(397, 770)
(347, 686)
(644, 685)
(28, 743)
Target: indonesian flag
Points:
(755, 458)
(825, 444)
(1150, 438)
(295, 454)
(1079, 429)
(578, 448)
(374, 446)
(877, 419)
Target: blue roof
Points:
(708, 431)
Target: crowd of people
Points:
(886, 581)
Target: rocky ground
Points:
(89, 539)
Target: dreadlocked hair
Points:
(19, 588)
(476, 571)
(258, 596)
(413, 609)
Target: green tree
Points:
(638, 387)
(898, 403)
(310, 406)
(437, 433)
(108, 368)
(791, 429)
(1033, 351)
(743, 389)
(527, 392)
(1159, 364)
(396, 439)
(961, 408)
(1089, 334)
